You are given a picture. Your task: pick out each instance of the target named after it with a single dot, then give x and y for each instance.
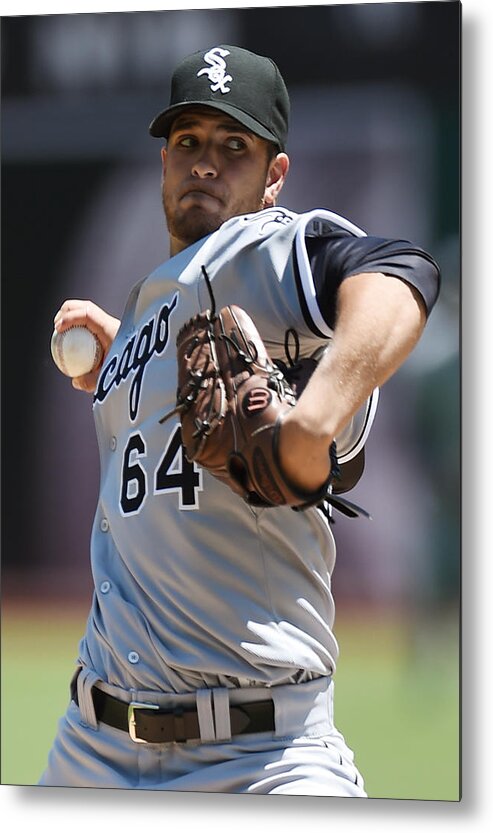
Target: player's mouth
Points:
(200, 196)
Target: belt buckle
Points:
(132, 728)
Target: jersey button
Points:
(133, 657)
(104, 525)
(105, 587)
(113, 443)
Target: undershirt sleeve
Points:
(339, 254)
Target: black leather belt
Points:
(149, 724)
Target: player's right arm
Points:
(376, 296)
(379, 322)
(76, 312)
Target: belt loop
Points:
(330, 701)
(204, 711)
(221, 714)
(85, 682)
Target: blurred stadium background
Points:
(375, 91)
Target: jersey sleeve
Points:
(339, 254)
(329, 249)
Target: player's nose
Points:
(205, 166)
(204, 170)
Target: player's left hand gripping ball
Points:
(231, 400)
(76, 351)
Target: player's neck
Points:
(176, 246)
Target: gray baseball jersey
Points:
(193, 587)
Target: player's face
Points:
(214, 169)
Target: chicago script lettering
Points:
(152, 339)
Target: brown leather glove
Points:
(231, 400)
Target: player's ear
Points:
(276, 175)
(164, 154)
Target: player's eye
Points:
(186, 141)
(236, 143)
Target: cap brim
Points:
(161, 125)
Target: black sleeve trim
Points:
(338, 255)
(351, 473)
(302, 299)
(318, 223)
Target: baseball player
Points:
(209, 656)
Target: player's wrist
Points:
(303, 450)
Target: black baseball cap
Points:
(246, 86)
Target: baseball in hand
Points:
(76, 351)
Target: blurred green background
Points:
(375, 136)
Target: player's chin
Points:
(196, 223)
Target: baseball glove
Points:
(231, 400)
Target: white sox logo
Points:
(256, 400)
(152, 339)
(268, 217)
(216, 71)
